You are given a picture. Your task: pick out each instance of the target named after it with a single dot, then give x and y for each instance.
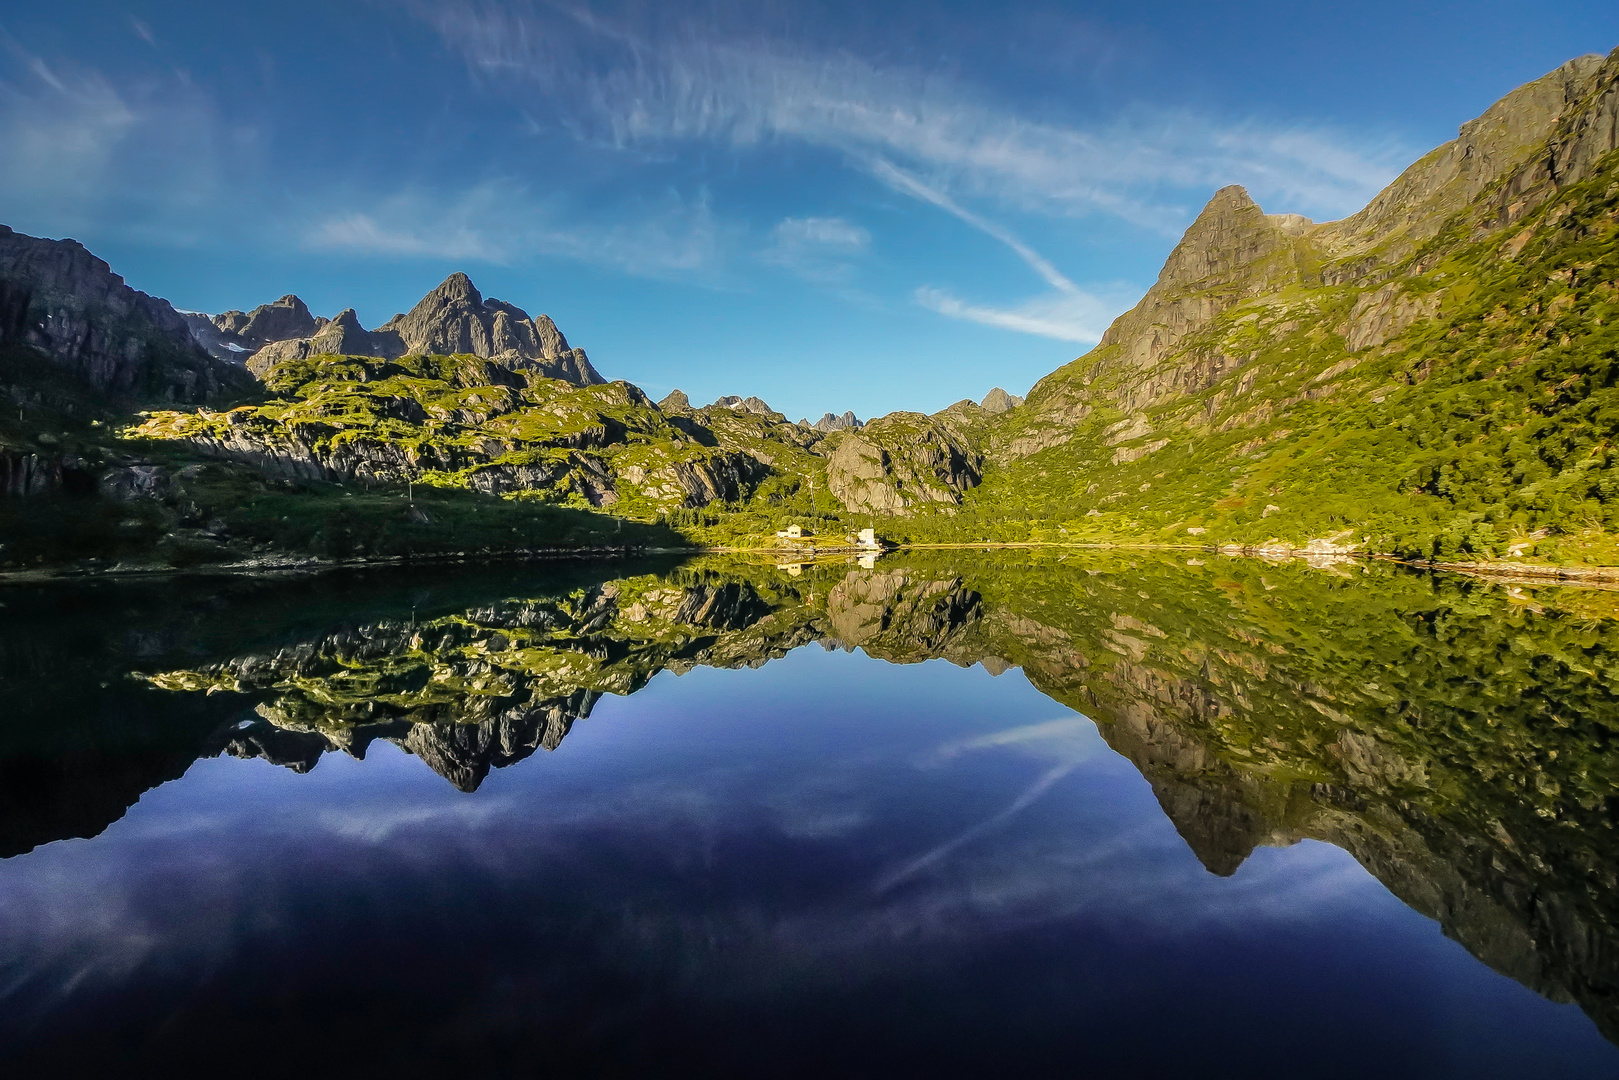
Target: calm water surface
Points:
(1107, 818)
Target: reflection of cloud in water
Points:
(1068, 738)
(1071, 741)
(378, 824)
(989, 824)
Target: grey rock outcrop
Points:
(233, 336)
(750, 404)
(65, 302)
(899, 462)
(454, 318)
(828, 423)
(23, 473)
(999, 401)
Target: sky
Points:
(830, 205)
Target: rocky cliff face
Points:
(1511, 134)
(1232, 253)
(454, 318)
(234, 335)
(63, 301)
(901, 461)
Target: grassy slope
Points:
(207, 511)
(1491, 422)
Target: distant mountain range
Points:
(1434, 376)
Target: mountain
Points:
(453, 319)
(755, 405)
(1432, 376)
(999, 401)
(234, 335)
(1436, 377)
(830, 423)
(61, 306)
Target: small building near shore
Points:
(791, 532)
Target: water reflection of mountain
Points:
(1455, 737)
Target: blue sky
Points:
(866, 206)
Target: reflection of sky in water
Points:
(825, 862)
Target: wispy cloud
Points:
(1070, 313)
(82, 148)
(1078, 316)
(694, 82)
(935, 138)
(503, 222)
(900, 180)
(817, 248)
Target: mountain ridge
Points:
(1431, 377)
(452, 319)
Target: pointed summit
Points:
(1232, 251)
(453, 318)
(1230, 233)
(457, 287)
(999, 401)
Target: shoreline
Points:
(1526, 573)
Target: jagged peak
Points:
(347, 318)
(999, 401)
(1231, 198)
(1230, 232)
(847, 422)
(456, 287)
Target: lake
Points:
(955, 812)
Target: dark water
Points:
(952, 815)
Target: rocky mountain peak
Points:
(675, 402)
(1230, 233)
(1233, 251)
(452, 318)
(999, 401)
(749, 404)
(234, 335)
(847, 422)
(457, 287)
(288, 317)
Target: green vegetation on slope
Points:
(1485, 430)
(134, 502)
